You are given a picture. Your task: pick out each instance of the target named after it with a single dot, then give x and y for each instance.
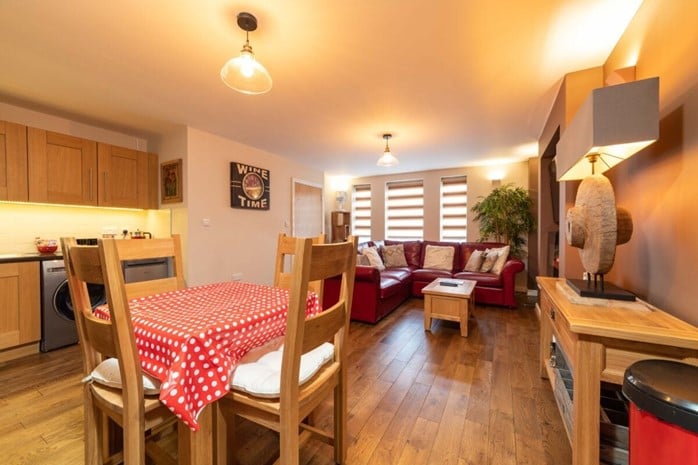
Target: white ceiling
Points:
(457, 82)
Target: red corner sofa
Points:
(377, 293)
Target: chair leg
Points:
(134, 441)
(289, 444)
(340, 423)
(94, 430)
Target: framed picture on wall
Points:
(171, 181)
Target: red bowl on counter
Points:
(46, 246)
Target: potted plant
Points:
(505, 215)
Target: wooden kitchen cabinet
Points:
(70, 170)
(20, 300)
(599, 340)
(13, 162)
(126, 177)
(62, 168)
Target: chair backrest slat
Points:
(317, 262)
(286, 248)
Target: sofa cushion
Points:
(456, 253)
(490, 258)
(390, 286)
(465, 249)
(401, 274)
(362, 260)
(475, 261)
(502, 256)
(439, 257)
(394, 255)
(374, 259)
(428, 275)
(483, 279)
(413, 251)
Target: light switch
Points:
(206, 222)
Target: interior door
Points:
(307, 211)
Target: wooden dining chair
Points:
(285, 250)
(115, 386)
(306, 370)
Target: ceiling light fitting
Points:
(387, 159)
(244, 73)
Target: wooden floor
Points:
(415, 397)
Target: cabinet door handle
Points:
(104, 179)
(552, 314)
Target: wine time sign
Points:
(249, 187)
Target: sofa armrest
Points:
(367, 273)
(511, 267)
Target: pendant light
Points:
(387, 159)
(244, 73)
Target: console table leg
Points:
(587, 402)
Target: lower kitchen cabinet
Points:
(20, 304)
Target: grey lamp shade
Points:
(614, 122)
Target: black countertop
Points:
(29, 257)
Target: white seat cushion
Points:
(107, 374)
(263, 377)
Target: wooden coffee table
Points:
(448, 299)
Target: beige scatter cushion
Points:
(394, 255)
(502, 255)
(373, 258)
(439, 257)
(475, 261)
(362, 260)
(490, 259)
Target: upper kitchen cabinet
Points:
(13, 162)
(62, 168)
(125, 177)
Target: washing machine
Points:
(57, 315)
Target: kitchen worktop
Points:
(28, 257)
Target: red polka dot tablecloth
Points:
(192, 339)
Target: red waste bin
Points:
(663, 397)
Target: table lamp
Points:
(613, 123)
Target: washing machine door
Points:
(63, 305)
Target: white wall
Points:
(237, 241)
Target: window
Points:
(361, 212)
(454, 208)
(404, 210)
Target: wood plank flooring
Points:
(415, 397)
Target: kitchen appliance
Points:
(147, 269)
(57, 315)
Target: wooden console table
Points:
(600, 341)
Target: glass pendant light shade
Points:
(244, 73)
(387, 159)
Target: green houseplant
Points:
(505, 216)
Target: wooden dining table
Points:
(192, 339)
